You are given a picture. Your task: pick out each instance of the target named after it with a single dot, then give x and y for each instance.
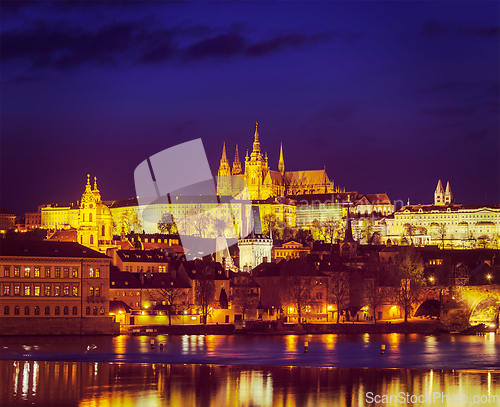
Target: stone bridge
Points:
(464, 305)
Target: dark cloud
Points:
(220, 46)
(434, 29)
(56, 45)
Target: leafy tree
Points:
(367, 229)
(339, 290)
(271, 223)
(409, 269)
(483, 241)
(167, 224)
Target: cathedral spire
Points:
(281, 164)
(256, 155)
(439, 194)
(87, 187)
(224, 168)
(448, 196)
(236, 163)
(95, 184)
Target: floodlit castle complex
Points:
(263, 182)
(446, 224)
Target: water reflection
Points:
(129, 384)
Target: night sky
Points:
(389, 96)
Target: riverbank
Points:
(273, 328)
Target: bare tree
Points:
(409, 232)
(409, 269)
(130, 221)
(167, 224)
(174, 297)
(441, 232)
(271, 223)
(296, 286)
(374, 294)
(205, 289)
(245, 295)
(339, 287)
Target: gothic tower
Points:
(448, 196)
(255, 168)
(439, 194)
(236, 163)
(281, 164)
(224, 175)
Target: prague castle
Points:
(263, 182)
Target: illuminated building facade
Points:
(53, 288)
(446, 224)
(290, 250)
(7, 220)
(263, 182)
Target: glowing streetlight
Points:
(431, 279)
(489, 278)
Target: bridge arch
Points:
(485, 312)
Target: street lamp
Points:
(489, 278)
(431, 279)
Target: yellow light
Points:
(290, 309)
(330, 307)
(488, 276)
(431, 279)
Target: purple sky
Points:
(389, 96)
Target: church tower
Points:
(281, 164)
(255, 168)
(448, 196)
(236, 163)
(224, 175)
(439, 198)
(95, 220)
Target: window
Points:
(26, 310)
(66, 272)
(47, 290)
(319, 296)
(66, 310)
(37, 291)
(27, 290)
(87, 311)
(90, 217)
(97, 291)
(6, 310)
(97, 273)
(75, 291)
(6, 289)
(16, 310)
(91, 291)
(58, 272)
(91, 239)
(102, 311)
(57, 311)
(27, 271)
(47, 310)
(6, 271)
(75, 310)
(75, 273)
(102, 231)
(17, 271)
(91, 273)
(66, 290)
(37, 310)
(17, 289)
(57, 291)
(37, 272)
(47, 272)
(94, 311)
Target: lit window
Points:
(37, 291)
(6, 271)
(75, 291)
(58, 272)
(57, 291)
(27, 271)
(47, 290)
(102, 311)
(37, 271)
(27, 290)
(66, 272)
(91, 273)
(97, 273)
(17, 289)
(47, 272)
(6, 289)
(97, 291)
(91, 291)
(75, 273)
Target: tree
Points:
(409, 269)
(244, 296)
(219, 225)
(374, 279)
(167, 224)
(200, 224)
(408, 232)
(271, 223)
(174, 297)
(205, 289)
(130, 221)
(483, 241)
(325, 230)
(441, 232)
(338, 287)
(297, 281)
(367, 229)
